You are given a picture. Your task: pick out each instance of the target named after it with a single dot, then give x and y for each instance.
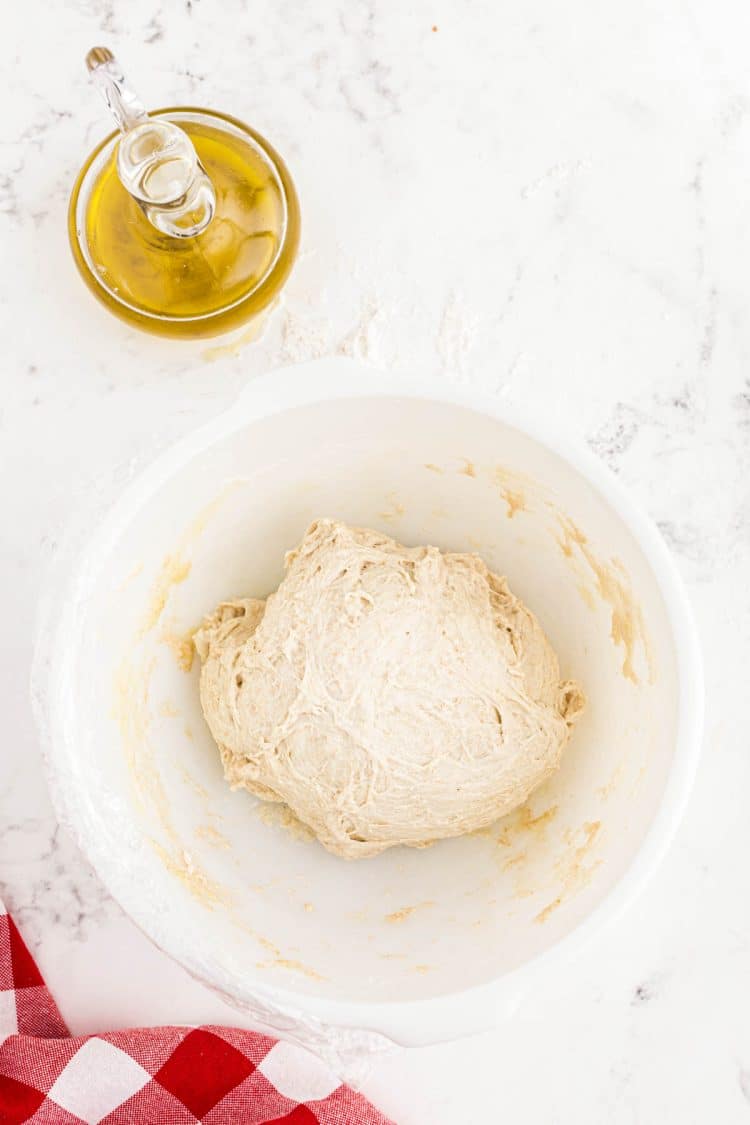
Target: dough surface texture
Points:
(387, 694)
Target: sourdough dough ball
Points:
(389, 695)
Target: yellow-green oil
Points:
(210, 282)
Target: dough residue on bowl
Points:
(386, 694)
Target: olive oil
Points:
(203, 284)
(192, 275)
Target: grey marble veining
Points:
(63, 892)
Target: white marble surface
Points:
(550, 201)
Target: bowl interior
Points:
(225, 882)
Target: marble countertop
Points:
(551, 202)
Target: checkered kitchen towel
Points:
(151, 1076)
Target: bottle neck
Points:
(156, 161)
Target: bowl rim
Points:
(477, 1007)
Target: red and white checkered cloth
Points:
(151, 1076)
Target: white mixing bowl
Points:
(414, 945)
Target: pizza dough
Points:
(387, 694)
